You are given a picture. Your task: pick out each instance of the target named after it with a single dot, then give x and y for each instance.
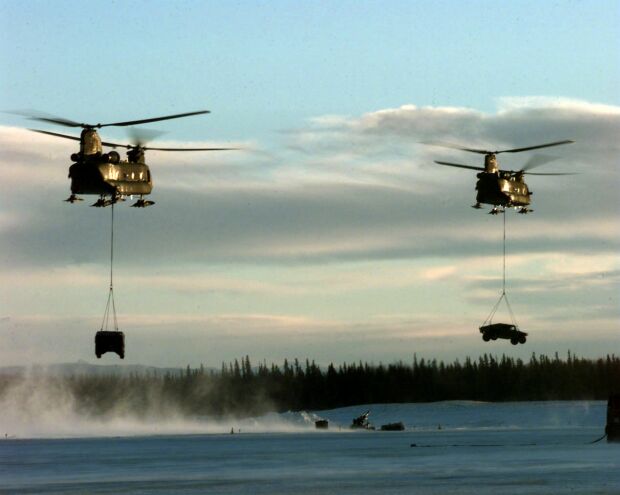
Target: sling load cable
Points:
(110, 340)
(110, 304)
(503, 296)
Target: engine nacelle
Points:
(112, 157)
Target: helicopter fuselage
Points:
(97, 175)
(105, 174)
(502, 190)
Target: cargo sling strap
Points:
(503, 296)
(110, 309)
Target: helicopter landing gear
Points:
(477, 206)
(102, 202)
(73, 198)
(524, 211)
(496, 211)
(142, 203)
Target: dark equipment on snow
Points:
(361, 422)
(503, 188)
(106, 174)
(612, 429)
(393, 426)
(321, 424)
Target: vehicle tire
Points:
(494, 337)
(522, 339)
(486, 337)
(98, 355)
(514, 341)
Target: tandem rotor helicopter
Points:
(503, 188)
(106, 174)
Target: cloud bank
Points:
(345, 223)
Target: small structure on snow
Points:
(612, 429)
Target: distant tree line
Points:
(242, 389)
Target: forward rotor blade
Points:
(57, 120)
(546, 145)
(488, 152)
(55, 134)
(456, 147)
(471, 167)
(129, 146)
(154, 119)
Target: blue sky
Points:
(332, 235)
(262, 66)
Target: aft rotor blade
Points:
(55, 134)
(146, 148)
(546, 145)
(140, 136)
(537, 161)
(551, 173)
(117, 145)
(471, 167)
(190, 149)
(154, 119)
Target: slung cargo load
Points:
(508, 331)
(110, 341)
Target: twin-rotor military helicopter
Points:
(112, 178)
(503, 188)
(106, 174)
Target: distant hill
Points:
(84, 368)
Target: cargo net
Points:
(503, 296)
(109, 316)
